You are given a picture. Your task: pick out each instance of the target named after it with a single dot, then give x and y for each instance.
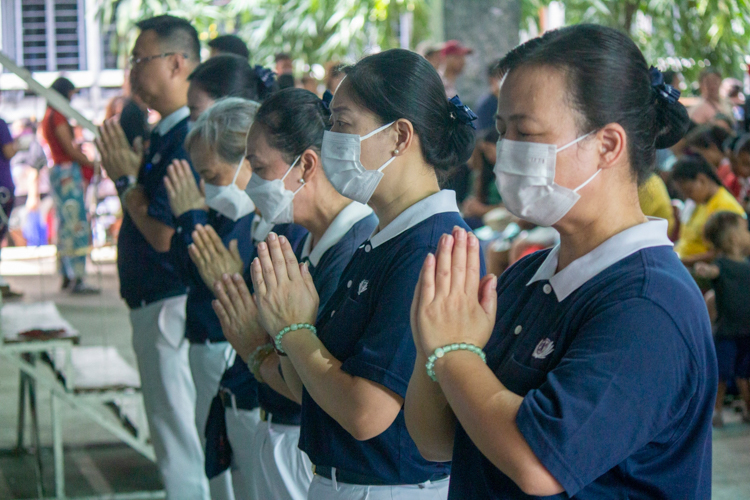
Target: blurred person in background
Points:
(284, 64)
(8, 150)
(431, 51)
(731, 92)
(308, 82)
(484, 193)
(738, 182)
(229, 44)
(711, 102)
(334, 75)
(454, 60)
(67, 182)
(31, 156)
(709, 142)
(697, 180)
(487, 107)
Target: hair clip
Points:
(266, 76)
(663, 90)
(326, 100)
(462, 112)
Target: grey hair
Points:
(223, 128)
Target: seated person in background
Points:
(708, 141)
(484, 194)
(738, 182)
(698, 181)
(711, 103)
(655, 201)
(729, 303)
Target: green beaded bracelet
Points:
(292, 328)
(442, 351)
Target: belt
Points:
(280, 419)
(343, 476)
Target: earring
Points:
(395, 152)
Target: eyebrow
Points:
(340, 109)
(515, 118)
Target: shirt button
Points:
(349, 284)
(518, 329)
(547, 289)
(332, 313)
(368, 248)
(179, 229)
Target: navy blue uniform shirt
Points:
(617, 370)
(202, 324)
(327, 261)
(365, 325)
(147, 275)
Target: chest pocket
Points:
(519, 378)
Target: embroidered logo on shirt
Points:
(362, 287)
(543, 349)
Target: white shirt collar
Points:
(260, 229)
(344, 221)
(649, 234)
(441, 202)
(168, 122)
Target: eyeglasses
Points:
(134, 61)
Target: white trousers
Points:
(241, 428)
(281, 471)
(208, 363)
(169, 396)
(327, 489)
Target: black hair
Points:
(687, 168)
(230, 44)
(669, 76)
(63, 86)
(398, 84)
(229, 75)
(608, 81)
(718, 227)
(285, 81)
(180, 34)
(705, 136)
(282, 56)
(294, 120)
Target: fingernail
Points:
(493, 283)
(272, 236)
(225, 276)
(256, 262)
(473, 241)
(237, 277)
(282, 239)
(461, 235)
(261, 246)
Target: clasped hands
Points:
(118, 158)
(284, 292)
(451, 303)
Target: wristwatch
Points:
(124, 183)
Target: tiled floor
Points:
(96, 463)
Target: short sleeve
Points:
(625, 379)
(58, 119)
(158, 206)
(5, 137)
(385, 354)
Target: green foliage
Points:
(677, 34)
(313, 31)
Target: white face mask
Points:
(340, 154)
(525, 177)
(230, 201)
(272, 198)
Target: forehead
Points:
(532, 90)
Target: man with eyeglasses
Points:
(165, 53)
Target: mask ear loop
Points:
(585, 183)
(377, 130)
(242, 160)
(290, 169)
(573, 142)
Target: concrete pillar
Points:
(490, 27)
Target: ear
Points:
(179, 64)
(310, 163)
(404, 131)
(612, 142)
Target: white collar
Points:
(649, 234)
(344, 221)
(260, 229)
(438, 203)
(168, 122)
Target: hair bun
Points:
(672, 122)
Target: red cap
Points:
(452, 47)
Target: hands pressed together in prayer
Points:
(284, 291)
(182, 190)
(119, 159)
(451, 303)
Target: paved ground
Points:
(96, 463)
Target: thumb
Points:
(234, 250)
(304, 269)
(202, 187)
(138, 145)
(488, 295)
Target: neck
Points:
(171, 102)
(320, 216)
(411, 189)
(711, 192)
(576, 239)
(450, 74)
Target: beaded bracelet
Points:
(292, 328)
(442, 351)
(257, 358)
